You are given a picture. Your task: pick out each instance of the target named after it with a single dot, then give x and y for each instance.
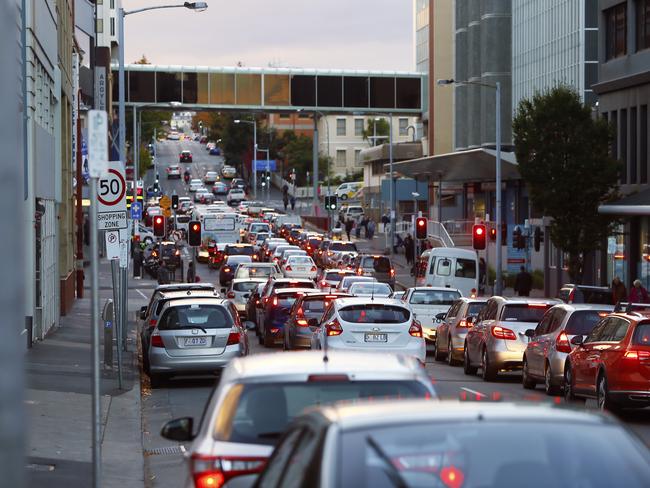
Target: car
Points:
(169, 252)
(381, 325)
(312, 243)
(210, 177)
(173, 171)
(240, 250)
(185, 156)
(253, 302)
(145, 234)
(220, 188)
(215, 151)
(202, 195)
(229, 267)
(427, 303)
(550, 342)
(370, 290)
(240, 291)
(277, 252)
(268, 249)
(348, 190)
(276, 314)
(195, 184)
(216, 256)
(272, 285)
(453, 267)
(353, 212)
(258, 270)
(497, 340)
(235, 195)
(377, 266)
(254, 228)
(259, 239)
(610, 363)
(451, 333)
(195, 335)
(346, 261)
(304, 318)
(238, 183)
(330, 278)
(287, 253)
(228, 171)
(258, 396)
(419, 443)
(571, 293)
(347, 281)
(300, 267)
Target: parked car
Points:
(429, 304)
(348, 190)
(570, 293)
(451, 333)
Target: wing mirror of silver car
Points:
(530, 333)
(143, 313)
(312, 322)
(577, 340)
(249, 325)
(178, 429)
(441, 316)
(471, 319)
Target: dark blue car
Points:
(276, 314)
(215, 151)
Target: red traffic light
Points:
(194, 234)
(159, 226)
(421, 228)
(493, 234)
(478, 236)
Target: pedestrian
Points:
(86, 232)
(385, 220)
(399, 242)
(349, 224)
(293, 203)
(285, 189)
(638, 294)
(409, 252)
(364, 224)
(619, 292)
(163, 274)
(137, 262)
(191, 273)
(371, 229)
(285, 200)
(523, 282)
(482, 268)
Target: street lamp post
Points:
(254, 123)
(497, 87)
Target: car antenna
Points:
(325, 358)
(372, 292)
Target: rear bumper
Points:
(632, 399)
(508, 360)
(161, 362)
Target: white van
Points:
(348, 190)
(455, 268)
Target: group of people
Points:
(367, 224)
(286, 199)
(638, 294)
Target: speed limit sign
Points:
(111, 198)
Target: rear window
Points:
(370, 288)
(259, 227)
(641, 335)
(434, 297)
(474, 309)
(380, 264)
(524, 313)
(314, 242)
(240, 251)
(583, 322)
(245, 286)
(465, 268)
(234, 260)
(195, 315)
(300, 260)
(586, 295)
(182, 219)
(255, 271)
(294, 284)
(333, 276)
(381, 314)
(317, 305)
(343, 246)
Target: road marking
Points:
(473, 392)
(141, 294)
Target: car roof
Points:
(434, 288)
(586, 287)
(189, 294)
(185, 286)
(345, 302)
(359, 278)
(260, 265)
(366, 414)
(292, 280)
(197, 301)
(573, 307)
(249, 280)
(524, 300)
(301, 363)
(238, 257)
(292, 290)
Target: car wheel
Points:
(450, 355)
(569, 392)
(344, 196)
(437, 355)
(488, 371)
(549, 387)
(467, 366)
(602, 395)
(526, 381)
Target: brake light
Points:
(152, 322)
(503, 333)
(359, 271)
(300, 312)
(288, 268)
(214, 472)
(328, 377)
(254, 257)
(463, 324)
(313, 268)
(156, 341)
(333, 328)
(572, 294)
(178, 252)
(637, 355)
(562, 343)
(323, 283)
(275, 301)
(473, 293)
(233, 339)
(302, 323)
(226, 269)
(231, 294)
(392, 272)
(329, 253)
(416, 329)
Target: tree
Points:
(383, 129)
(563, 155)
(142, 60)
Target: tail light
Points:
(178, 252)
(637, 355)
(503, 333)
(275, 301)
(136, 238)
(233, 339)
(313, 268)
(214, 472)
(359, 271)
(231, 294)
(463, 324)
(416, 329)
(572, 295)
(473, 293)
(288, 268)
(226, 269)
(156, 341)
(323, 283)
(333, 328)
(392, 272)
(562, 343)
(152, 322)
(302, 323)
(329, 253)
(254, 257)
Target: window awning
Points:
(473, 166)
(635, 204)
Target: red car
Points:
(612, 363)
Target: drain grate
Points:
(165, 451)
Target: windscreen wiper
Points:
(392, 472)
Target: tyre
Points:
(549, 387)
(467, 367)
(526, 381)
(569, 393)
(488, 371)
(602, 395)
(437, 355)
(344, 196)
(450, 356)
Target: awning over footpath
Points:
(473, 166)
(635, 204)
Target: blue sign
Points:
(264, 165)
(136, 211)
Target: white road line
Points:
(141, 294)
(477, 393)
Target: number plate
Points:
(195, 341)
(372, 337)
(301, 268)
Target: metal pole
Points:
(415, 239)
(315, 165)
(498, 284)
(124, 277)
(117, 314)
(254, 158)
(121, 88)
(391, 184)
(136, 163)
(79, 213)
(94, 329)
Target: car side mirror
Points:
(312, 322)
(577, 340)
(143, 313)
(471, 319)
(178, 429)
(249, 325)
(441, 316)
(530, 333)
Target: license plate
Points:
(301, 268)
(371, 337)
(195, 341)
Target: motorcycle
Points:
(186, 177)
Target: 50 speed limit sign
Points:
(111, 198)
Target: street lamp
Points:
(254, 165)
(496, 86)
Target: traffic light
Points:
(518, 238)
(538, 238)
(330, 202)
(479, 236)
(194, 233)
(139, 196)
(159, 226)
(421, 228)
(175, 202)
(493, 233)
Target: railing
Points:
(463, 227)
(435, 230)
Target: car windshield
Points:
(492, 454)
(343, 246)
(300, 260)
(375, 314)
(582, 322)
(254, 271)
(434, 297)
(251, 420)
(195, 315)
(524, 312)
(370, 288)
(379, 264)
(245, 286)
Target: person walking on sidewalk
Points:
(619, 292)
(163, 274)
(638, 294)
(191, 273)
(523, 282)
(349, 224)
(293, 203)
(371, 229)
(385, 220)
(409, 252)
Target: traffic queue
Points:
(357, 406)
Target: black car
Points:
(600, 295)
(170, 254)
(185, 157)
(227, 271)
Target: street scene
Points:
(378, 244)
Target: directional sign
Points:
(111, 198)
(167, 212)
(97, 143)
(165, 202)
(136, 211)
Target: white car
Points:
(346, 282)
(203, 194)
(300, 267)
(290, 252)
(370, 290)
(210, 177)
(330, 278)
(426, 303)
(240, 291)
(195, 184)
(235, 195)
(228, 172)
(381, 325)
(173, 171)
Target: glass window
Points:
(475, 308)
(303, 91)
(245, 286)
(619, 331)
(112, 26)
(382, 92)
(374, 314)
(341, 127)
(357, 157)
(341, 157)
(343, 246)
(222, 88)
(465, 268)
(249, 89)
(195, 315)
(403, 127)
(641, 335)
(616, 31)
(583, 322)
(358, 127)
(642, 24)
(444, 267)
(355, 91)
(329, 91)
(273, 475)
(523, 312)
(434, 297)
(545, 323)
(276, 90)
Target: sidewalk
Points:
(58, 406)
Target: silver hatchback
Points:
(195, 335)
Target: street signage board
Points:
(165, 202)
(136, 211)
(98, 163)
(167, 212)
(111, 198)
(112, 244)
(264, 165)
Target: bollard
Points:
(108, 319)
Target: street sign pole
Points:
(94, 327)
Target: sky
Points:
(328, 34)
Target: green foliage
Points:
(383, 128)
(351, 177)
(563, 155)
(509, 278)
(145, 159)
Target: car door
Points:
(443, 328)
(584, 358)
(475, 334)
(547, 341)
(611, 351)
(534, 350)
